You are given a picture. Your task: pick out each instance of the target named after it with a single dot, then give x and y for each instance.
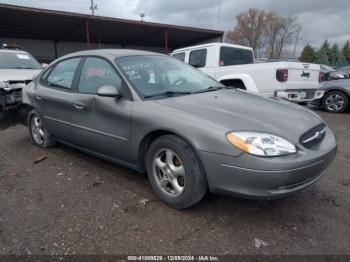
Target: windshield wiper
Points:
(210, 89)
(169, 93)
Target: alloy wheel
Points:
(169, 172)
(37, 130)
(335, 102)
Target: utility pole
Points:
(296, 42)
(219, 15)
(93, 7)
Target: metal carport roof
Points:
(34, 23)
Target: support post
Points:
(166, 42)
(55, 48)
(87, 34)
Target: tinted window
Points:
(63, 74)
(233, 56)
(180, 56)
(97, 72)
(198, 58)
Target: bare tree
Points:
(264, 31)
(249, 30)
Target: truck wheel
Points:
(38, 134)
(335, 102)
(175, 173)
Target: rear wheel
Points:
(175, 173)
(37, 132)
(335, 102)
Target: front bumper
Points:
(253, 177)
(10, 99)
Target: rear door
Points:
(101, 124)
(54, 97)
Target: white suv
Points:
(17, 68)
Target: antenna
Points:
(93, 7)
(142, 16)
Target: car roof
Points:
(9, 51)
(112, 53)
(217, 44)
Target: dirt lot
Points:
(71, 203)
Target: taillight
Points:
(322, 77)
(282, 75)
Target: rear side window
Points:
(180, 56)
(63, 74)
(234, 56)
(198, 58)
(97, 72)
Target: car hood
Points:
(18, 74)
(236, 110)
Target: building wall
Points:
(47, 51)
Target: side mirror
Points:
(44, 65)
(108, 91)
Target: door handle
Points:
(78, 106)
(39, 97)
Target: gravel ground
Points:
(71, 203)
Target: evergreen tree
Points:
(322, 57)
(341, 60)
(308, 55)
(326, 46)
(334, 55)
(346, 51)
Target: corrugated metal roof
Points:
(36, 23)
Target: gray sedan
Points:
(154, 114)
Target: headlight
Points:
(261, 144)
(3, 84)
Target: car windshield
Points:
(18, 61)
(155, 75)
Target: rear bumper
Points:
(299, 95)
(266, 178)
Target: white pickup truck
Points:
(233, 65)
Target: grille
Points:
(313, 136)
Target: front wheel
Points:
(38, 134)
(335, 102)
(175, 173)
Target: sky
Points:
(320, 19)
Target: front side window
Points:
(97, 72)
(234, 56)
(63, 74)
(198, 58)
(152, 75)
(180, 56)
(18, 61)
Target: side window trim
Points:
(76, 79)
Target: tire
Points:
(37, 132)
(335, 102)
(175, 172)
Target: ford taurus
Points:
(155, 114)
